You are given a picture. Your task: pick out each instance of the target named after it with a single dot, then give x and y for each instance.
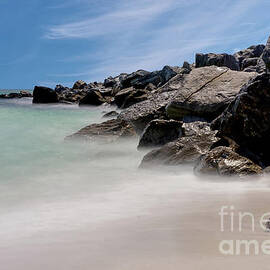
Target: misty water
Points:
(77, 205)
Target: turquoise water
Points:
(76, 205)
(32, 137)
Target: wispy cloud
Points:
(151, 33)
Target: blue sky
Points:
(46, 42)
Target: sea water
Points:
(76, 205)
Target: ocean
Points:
(86, 205)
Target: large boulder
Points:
(93, 97)
(79, 85)
(134, 78)
(224, 161)
(185, 150)
(206, 92)
(43, 94)
(108, 131)
(160, 132)
(247, 120)
(252, 52)
(220, 60)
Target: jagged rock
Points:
(250, 62)
(111, 114)
(93, 97)
(160, 132)
(109, 131)
(141, 78)
(224, 161)
(196, 128)
(184, 150)
(129, 96)
(60, 88)
(247, 120)
(220, 60)
(43, 94)
(79, 85)
(187, 66)
(251, 52)
(142, 113)
(134, 78)
(205, 92)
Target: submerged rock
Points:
(185, 150)
(43, 94)
(21, 94)
(160, 132)
(111, 114)
(220, 60)
(110, 130)
(224, 161)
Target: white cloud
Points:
(147, 34)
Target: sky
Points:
(49, 42)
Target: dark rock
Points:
(160, 132)
(60, 88)
(43, 94)
(220, 60)
(109, 131)
(187, 66)
(24, 94)
(266, 56)
(79, 85)
(21, 94)
(141, 78)
(224, 161)
(250, 62)
(184, 150)
(93, 97)
(251, 52)
(134, 79)
(111, 114)
(247, 120)
(135, 97)
(129, 96)
(205, 92)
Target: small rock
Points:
(224, 161)
(79, 85)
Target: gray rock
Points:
(43, 94)
(185, 150)
(224, 161)
(220, 60)
(108, 131)
(206, 92)
(160, 132)
(111, 114)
